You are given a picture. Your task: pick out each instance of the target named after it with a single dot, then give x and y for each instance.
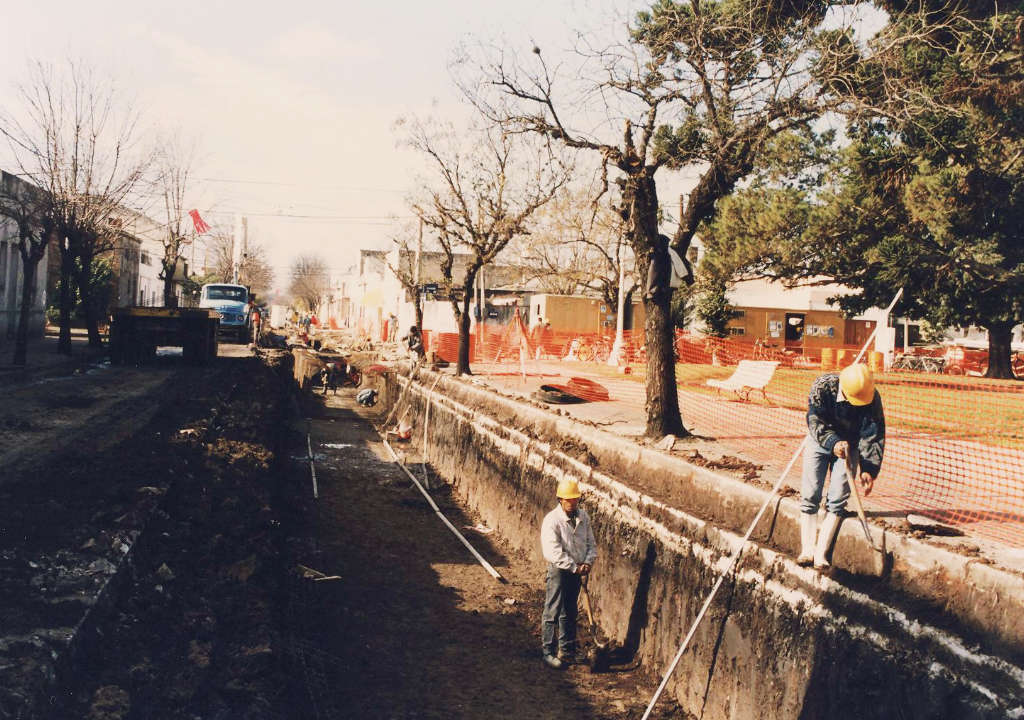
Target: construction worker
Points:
(414, 342)
(568, 544)
(844, 420)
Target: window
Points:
(739, 313)
(737, 331)
(226, 292)
(144, 258)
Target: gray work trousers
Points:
(560, 610)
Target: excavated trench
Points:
(924, 634)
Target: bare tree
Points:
(254, 270)
(75, 138)
(703, 86)
(174, 162)
(407, 270)
(27, 207)
(576, 246)
(488, 184)
(310, 280)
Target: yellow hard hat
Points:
(568, 490)
(858, 384)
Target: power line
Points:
(298, 216)
(347, 188)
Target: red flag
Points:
(197, 222)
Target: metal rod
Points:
(437, 511)
(721, 578)
(743, 543)
(312, 466)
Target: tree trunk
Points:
(662, 406)
(1000, 336)
(170, 297)
(462, 366)
(663, 416)
(87, 293)
(67, 297)
(30, 261)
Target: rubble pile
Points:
(141, 581)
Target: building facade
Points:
(12, 276)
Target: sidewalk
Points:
(43, 359)
(964, 484)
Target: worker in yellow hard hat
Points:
(567, 541)
(845, 424)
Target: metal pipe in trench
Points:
(437, 511)
(312, 467)
(743, 543)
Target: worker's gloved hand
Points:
(866, 483)
(841, 449)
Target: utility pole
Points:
(236, 248)
(620, 320)
(416, 277)
(245, 246)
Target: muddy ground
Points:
(161, 556)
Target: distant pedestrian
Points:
(545, 340)
(844, 420)
(567, 541)
(392, 327)
(257, 325)
(535, 339)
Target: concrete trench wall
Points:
(779, 641)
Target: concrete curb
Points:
(986, 600)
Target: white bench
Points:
(749, 375)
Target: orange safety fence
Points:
(954, 440)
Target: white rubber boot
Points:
(826, 536)
(808, 531)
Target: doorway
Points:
(794, 329)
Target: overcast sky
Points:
(292, 104)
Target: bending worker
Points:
(844, 420)
(567, 541)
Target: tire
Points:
(551, 394)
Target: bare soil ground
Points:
(153, 538)
(415, 627)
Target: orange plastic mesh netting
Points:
(954, 441)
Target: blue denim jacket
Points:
(830, 418)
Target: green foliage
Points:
(930, 199)
(712, 307)
(757, 233)
(682, 306)
(101, 277)
(679, 146)
(192, 287)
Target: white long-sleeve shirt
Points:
(564, 546)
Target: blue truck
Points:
(231, 302)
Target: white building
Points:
(11, 278)
(141, 252)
